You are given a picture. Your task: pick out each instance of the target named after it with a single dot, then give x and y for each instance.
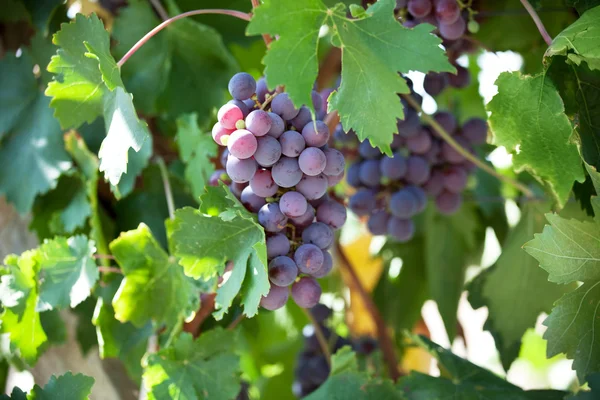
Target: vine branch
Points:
(167, 185)
(385, 341)
(160, 10)
(538, 22)
(465, 153)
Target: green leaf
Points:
(196, 149)
(54, 326)
(137, 161)
(594, 383)
(67, 271)
(19, 281)
(67, 386)
(230, 233)
(579, 42)
(345, 382)
(205, 368)
(572, 326)
(18, 90)
(86, 331)
(569, 250)
(154, 287)
(528, 115)
(17, 394)
(515, 290)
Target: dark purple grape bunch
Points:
(391, 191)
(281, 168)
(447, 15)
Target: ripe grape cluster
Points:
(311, 365)
(446, 15)
(281, 168)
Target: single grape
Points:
(241, 105)
(369, 173)
(262, 183)
(421, 197)
(268, 151)
(251, 104)
(410, 125)
(404, 204)
(293, 204)
(277, 245)
(421, 143)
(312, 161)
(325, 268)
(367, 151)
(316, 137)
(261, 89)
(333, 180)
(419, 8)
(242, 86)
(362, 202)
(220, 175)
(447, 121)
(306, 292)
(286, 172)
(435, 83)
(394, 167)
(401, 229)
(397, 142)
(453, 31)
(317, 202)
(353, 177)
(475, 131)
(317, 100)
(321, 313)
(417, 171)
(237, 188)
(401, 4)
(251, 200)
(435, 183)
(447, 11)
(410, 23)
(451, 155)
(433, 156)
(240, 171)
(258, 122)
(461, 79)
(335, 164)
(228, 115)
(448, 203)
(282, 271)
(429, 19)
(319, 234)
(377, 223)
(312, 187)
(242, 144)
(277, 125)
(305, 219)
(271, 218)
(292, 143)
(275, 299)
(309, 258)
(455, 179)
(218, 132)
(283, 105)
(303, 118)
(223, 158)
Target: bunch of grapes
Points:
(311, 365)
(446, 15)
(281, 168)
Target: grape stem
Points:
(106, 270)
(167, 185)
(164, 24)
(320, 336)
(236, 322)
(160, 10)
(538, 22)
(464, 152)
(103, 257)
(385, 341)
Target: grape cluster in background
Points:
(280, 166)
(447, 16)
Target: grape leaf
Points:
(196, 149)
(67, 272)
(230, 233)
(528, 115)
(515, 290)
(594, 384)
(137, 161)
(595, 200)
(54, 326)
(205, 368)
(374, 50)
(346, 382)
(18, 89)
(67, 386)
(16, 394)
(154, 287)
(579, 41)
(568, 249)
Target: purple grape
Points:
(240, 171)
(419, 8)
(277, 125)
(410, 125)
(317, 101)
(448, 203)
(228, 115)
(283, 105)
(277, 245)
(401, 229)
(447, 121)
(401, 4)
(218, 132)
(242, 86)
(333, 180)
(220, 175)
(251, 104)
(435, 83)
(417, 171)
(335, 162)
(394, 167)
(325, 268)
(410, 23)
(450, 154)
(261, 90)
(293, 204)
(305, 219)
(421, 143)
(251, 200)
(435, 184)
(397, 142)
(262, 184)
(237, 188)
(317, 202)
(242, 144)
(453, 31)
(271, 218)
(306, 292)
(309, 258)
(367, 151)
(275, 299)
(286, 172)
(404, 204)
(318, 137)
(369, 173)
(377, 223)
(223, 158)
(429, 19)
(302, 118)
(447, 11)
(258, 122)
(282, 271)
(353, 177)
(475, 131)
(268, 151)
(433, 155)
(312, 161)
(362, 202)
(292, 143)
(312, 187)
(461, 80)
(455, 179)
(421, 197)
(241, 105)
(319, 234)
